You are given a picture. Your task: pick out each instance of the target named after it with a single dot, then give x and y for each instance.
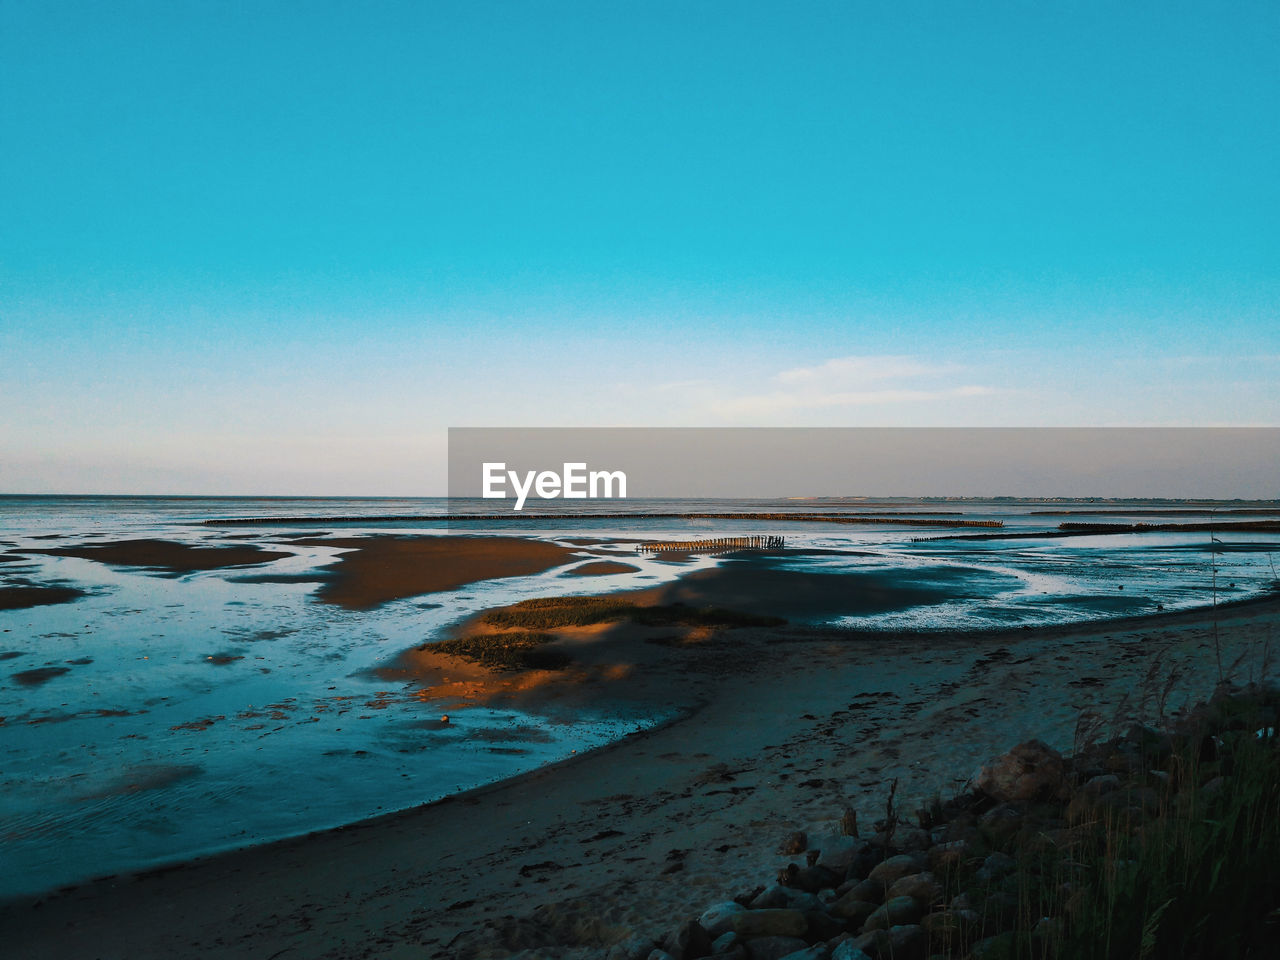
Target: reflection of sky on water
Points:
(212, 709)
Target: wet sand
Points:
(783, 728)
(375, 570)
(23, 596)
(796, 594)
(600, 568)
(177, 558)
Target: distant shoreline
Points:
(908, 519)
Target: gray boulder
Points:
(997, 865)
(1030, 771)
(689, 941)
(838, 854)
(819, 951)
(895, 868)
(717, 919)
(895, 912)
(769, 923)
(847, 951)
(853, 910)
(773, 948)
(724, 943)
(919, 886)
(634, 947)
(779, 896)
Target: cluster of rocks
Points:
(992, 873)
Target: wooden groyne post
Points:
(714, 545)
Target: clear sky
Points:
(280, 247)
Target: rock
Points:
(919, 886)
(769, 923)
(1213, 787)
(794, 843)
(634, 947)
(1048, 929)
(1153, 744)
(780, 896)
(865, 860)
(1030, 771)
(819, 951)
(823, 926)
(911, 839)
(1097, 786)
(1123, 758)
(1001, 822)
(907, 942)
(895, 912)
(717, 920)
(838, 854)
(746, 898)
(869, 890)
(774, 895)
(999, 910)
(689, 941)
(943, 857)
(1130, 800)
(737, 952)
(724, 943)
(895, 868)
(773, 948)
(1070, 837)
(847, 951)
(994, 867)
(813, 879)
(873, 943)
(659, 955)
(999, 947)
(951, 928)
(853, 910)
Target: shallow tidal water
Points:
(161, 716)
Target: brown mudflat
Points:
(601, 568)
(23, 596)
(378, 569)
(166, 555)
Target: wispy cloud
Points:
(862, 370)
(857, 381)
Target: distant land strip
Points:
(905, 520)
(1173, 511)
(1092, 529)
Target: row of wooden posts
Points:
(716, 545)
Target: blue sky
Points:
(279, 248)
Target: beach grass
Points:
(511, 650)
(1180, 860)
(550, 613)
(1199, 875)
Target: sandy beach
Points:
(783, 729)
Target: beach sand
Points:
(783, 729)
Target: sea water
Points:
(215, 709)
